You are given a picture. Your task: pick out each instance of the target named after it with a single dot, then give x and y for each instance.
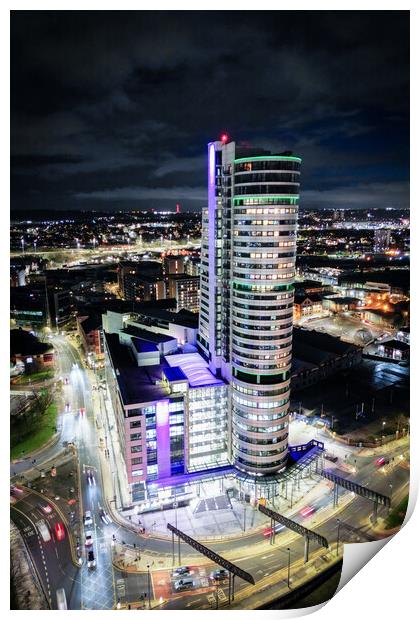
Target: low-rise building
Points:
(89, 328)
(171, 412)
(394, 349)
(318, 356)
(173, 265)
(306, 305)
(192, 265)
(27, 349)
(340, 304)
(182, 326)
(186, 290)
(141, 281)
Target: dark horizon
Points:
(112, 111)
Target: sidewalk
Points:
(133, 560)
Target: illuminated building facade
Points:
(186, 290)
(246, 306)
(170, 411)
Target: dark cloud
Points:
(115, 108)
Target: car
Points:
(181, 570)
(104, 516)
(82, 411)
(184, 584)
(90, 478)
(219, 575)
(331, 457)
(67, 407)
(87, 520)
(45, 508)
(307, 511)
(14, 490)
(91, 562)
(43, 530)
(88, 539)
(60, 532)
(269, 530)
(381, 461)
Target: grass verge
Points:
(397, 515)
(36, 377)
(40, 434)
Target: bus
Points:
(61, 599)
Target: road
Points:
(53, 558)
(105, 587)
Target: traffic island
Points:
(27, 592)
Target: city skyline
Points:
(209, 305)
(123, 127)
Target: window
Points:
(135, 449)
(148, 410)
(135, 436)
(137, 461)
(135, 424)
(137, 472)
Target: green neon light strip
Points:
(258, 374)
(264, 196)
(268, 157)
(279, 287)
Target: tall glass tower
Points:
(247, 273)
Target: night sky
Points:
(113, 110)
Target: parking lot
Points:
(347, 327)
(372, 392)
(167, 584)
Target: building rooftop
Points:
(195, 368)
(144, 334)
(143, 346)
(185, 318)
(301, 296)
(399, 278)
(396, 344)
(137, 384)
(90, 323)
(308, 284)
(343, 300)
(174, 373)
(25, 343)
(183, 276)
(312, 347)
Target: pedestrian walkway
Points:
(132, 560)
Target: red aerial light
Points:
(224, 138)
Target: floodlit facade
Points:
(246, 305)
(170, 410)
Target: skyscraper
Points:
(246, 308)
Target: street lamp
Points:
(338, 534)
(148, 586)
(288, 568)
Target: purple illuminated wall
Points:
(163, 438)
